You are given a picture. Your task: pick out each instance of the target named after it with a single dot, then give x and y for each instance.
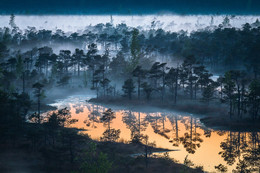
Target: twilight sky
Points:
(130, 7)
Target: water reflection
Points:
(110, 134)
(175, 130)
(135, 124)
(215, 150)
(191, 139)
(243, 148)
(93, 117)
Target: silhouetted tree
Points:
(78, 56)
(139, 74)
(228, 91)
(254, 99)
(39, 93)
(128, 88)
(147, 90)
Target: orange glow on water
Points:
(161, 129)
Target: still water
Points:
(172, 130)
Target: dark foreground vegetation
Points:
(156, 67)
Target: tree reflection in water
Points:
(239, 147)
(175, 130)
(191, 139)
(93, 117)
(244, 147)
(239, 151)
(78, 108)
(229, 149)
(158, 124)
(111, 135)
(135, 124)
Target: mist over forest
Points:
(168, 22)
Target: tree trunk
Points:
(78, 69)
(139, 83)
(195, 91)
(238, 102)
(230, 108)
(23, 82)
(39, 109)
(176, 88)
(191, 90)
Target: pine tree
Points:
(128, 88)
(38, 94)
(228, 91)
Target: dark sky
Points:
(129, 6)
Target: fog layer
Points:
(174, 23)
